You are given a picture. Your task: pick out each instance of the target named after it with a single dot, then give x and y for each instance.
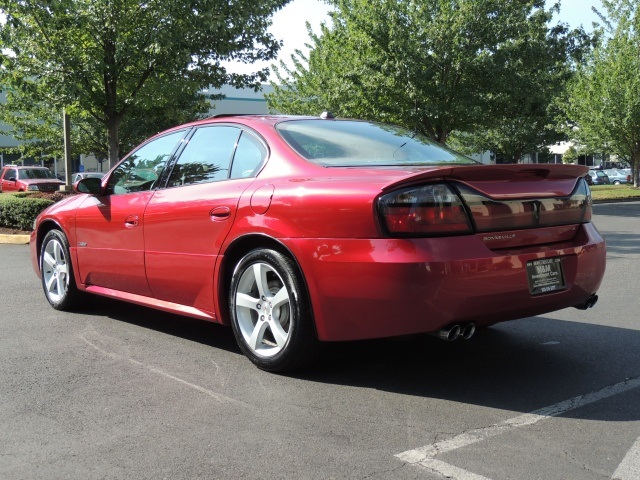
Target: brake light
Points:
(425, 210)
(493, 215)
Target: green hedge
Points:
(20, 210)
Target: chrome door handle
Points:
(131, 221)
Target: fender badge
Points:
(82, 244)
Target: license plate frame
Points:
(545, 275)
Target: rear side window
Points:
(207, 156)
(248, 158)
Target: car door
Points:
(7, 184)
(109, 227)
(186, 223)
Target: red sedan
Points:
(299, 230)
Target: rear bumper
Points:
(362, 288)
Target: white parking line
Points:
(424, 457)
(629, 469)
(217, 396)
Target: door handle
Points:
(131, 221)
(219, 214)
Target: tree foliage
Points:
(110, 60)
(488, 68)
(39, 126)
(604, 98)
(526, 119)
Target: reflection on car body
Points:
(299, 230)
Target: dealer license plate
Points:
(545, 275)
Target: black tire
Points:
(270, 312)
(56, 271)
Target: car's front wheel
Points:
(57, 272)
(270, 312)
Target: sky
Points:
(289, 25)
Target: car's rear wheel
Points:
(270, 312)
(57, 272)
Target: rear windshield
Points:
(350, 143)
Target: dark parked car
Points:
(598, 177)
(16, 178)
(299, 230)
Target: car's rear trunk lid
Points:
(504, 200)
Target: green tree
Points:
(40, 128)
(436, 66)
(109, 59)
(571, 155)
(526, 115)
(604, 97)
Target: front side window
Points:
(141, 169)
(207, 156)
(9, 173)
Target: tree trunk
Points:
(113, 134)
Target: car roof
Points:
(248, 119)
(27, 166)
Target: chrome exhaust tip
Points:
(449, 333)
(588, 303)
(467, 332)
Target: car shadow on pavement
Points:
(618, 209)
(519, 366)
(621, 244)
(522, 365)
(200, 331)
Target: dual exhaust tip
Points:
(466, 331)
(588, 303)
(456, 332)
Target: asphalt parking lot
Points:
(117, 391)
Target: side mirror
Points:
(92, 186)
(12, 179)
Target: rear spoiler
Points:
(505, 181)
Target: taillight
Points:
(426, 210)
(494, 215)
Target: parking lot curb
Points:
(14, 239)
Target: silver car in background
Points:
(618, 176)
(76, 177)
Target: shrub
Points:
(20, 210)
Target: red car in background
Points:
(16, 178)
(299, 230)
